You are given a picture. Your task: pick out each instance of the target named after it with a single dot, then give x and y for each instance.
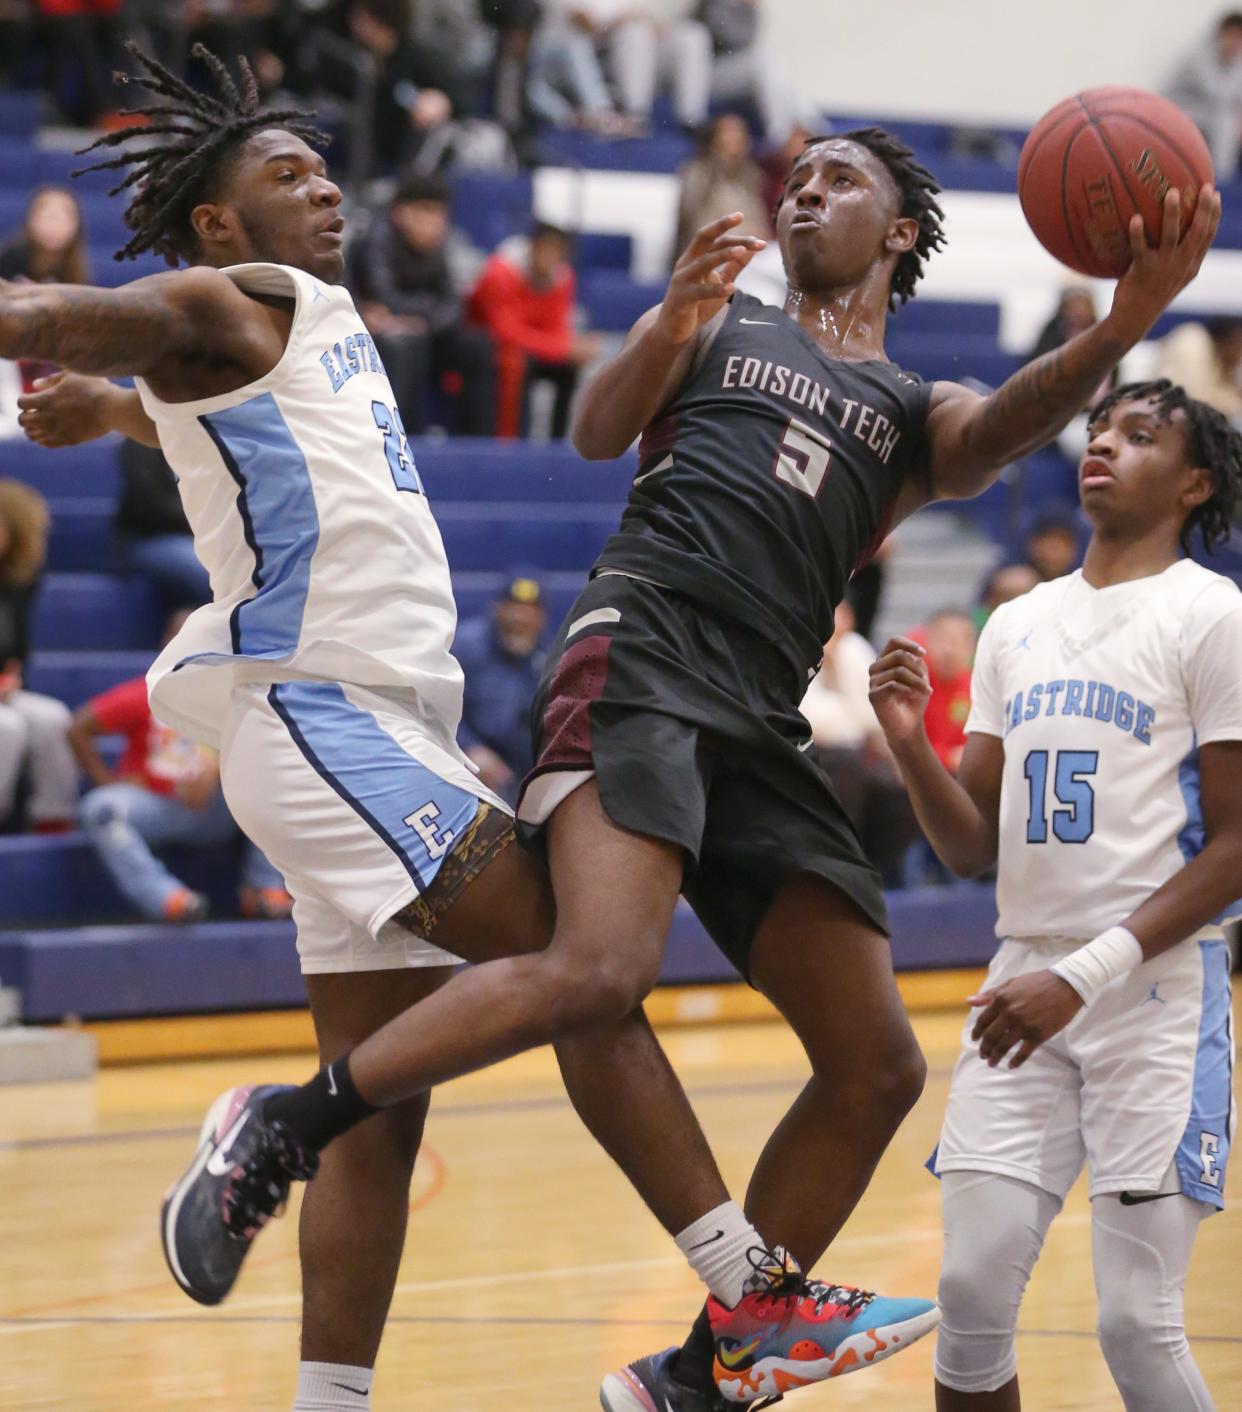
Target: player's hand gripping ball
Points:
(1097, 160)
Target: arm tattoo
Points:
(111, 332)
(1031, 407)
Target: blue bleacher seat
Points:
(74, 677)
(595, 250)
(952, 358)
(110, 272)
(547, 472)
(613, 301)
(21, 111)
(661, 152)
(944, 316)
(100, 612)
(543, 536)
(89, 470)
(81, 540)
(489, 207)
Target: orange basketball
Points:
(1095, 161)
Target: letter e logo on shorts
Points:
(1209, 1146)
(422, 821)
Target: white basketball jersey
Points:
(1103, 698)
(311, 521)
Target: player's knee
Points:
(591, 990)
(975, 1349)
(96, 810)
(880, 1083)
(1133, 1331)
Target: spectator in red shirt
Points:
(525, 299)
(950, 638)
(165, 789)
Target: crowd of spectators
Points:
(478, 343)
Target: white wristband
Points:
(1113, 953)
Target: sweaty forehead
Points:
(846, 153)
(272, 142)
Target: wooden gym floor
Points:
(530, 1270)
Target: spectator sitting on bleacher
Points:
(1004, 583)
(79, 39)
(415, 88)
(565, 83)
(727, 61)
(1206, 359)
(1075, 313)
(165, 790)
(32, 727)
(153, 534)
(502, 654)
(406, 276)
(950, 639)
(1208, 85)
(850, 749)
(525, 300)
(50, 248)
(1053, 543)
(723, 177)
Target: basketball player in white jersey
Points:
(323, 668)
(1102, 776)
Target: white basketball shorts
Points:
(357, 801)
(1141, 1080)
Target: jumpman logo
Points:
(1153, 994)
(319, 294)
(1025, 641)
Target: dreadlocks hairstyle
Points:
(203, 133)
(1212, 443)
(918, 190)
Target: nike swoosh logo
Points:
(767, 323)
(1129, 1199)
(711, 1240)
(332, 1089)
(738, 1355)
(218, 1163)
(345, 1387)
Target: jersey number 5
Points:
(397, 448)
(802, 457)
(1076, 822)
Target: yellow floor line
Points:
(290, 1031)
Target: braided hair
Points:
(1212, 443)
(917, 189)
(203, 134)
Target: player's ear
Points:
(213, 225)
(902, 235)
(1197, 488)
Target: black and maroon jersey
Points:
(771, 477)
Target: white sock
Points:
(718, 1246)
(333, 1387)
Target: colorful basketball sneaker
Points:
(788, 1331)
(650, 1385)
(238, 1180)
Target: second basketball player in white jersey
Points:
(1103, 776)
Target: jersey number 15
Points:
(1076, 822)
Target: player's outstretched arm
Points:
(971, 438)
(959, 815)
(137, 329)
(67, 409)
(631, 388)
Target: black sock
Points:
(321, 1110)
(693, 1363)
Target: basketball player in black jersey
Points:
(673, 737)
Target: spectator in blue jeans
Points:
(165, 789)
(502, 656)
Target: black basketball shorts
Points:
(689, 725)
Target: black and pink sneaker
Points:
(239, 1179)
